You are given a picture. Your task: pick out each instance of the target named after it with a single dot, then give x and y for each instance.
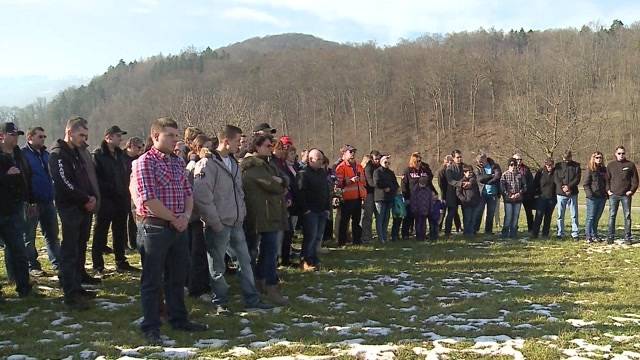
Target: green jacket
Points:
(264, 196)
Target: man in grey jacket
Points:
(219, 201)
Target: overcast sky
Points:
(82, 38)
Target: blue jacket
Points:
(41, 182)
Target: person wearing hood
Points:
(76, 201)
(264, 188)
(567, 178)
(113, 180)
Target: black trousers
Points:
(351, 210)
(112, 213)
(132, 229)
(76, 227)
(529, 206)
(198, 275)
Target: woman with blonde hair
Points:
(595, 189)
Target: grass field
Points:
(456, 299)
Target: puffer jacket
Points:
(264, 196)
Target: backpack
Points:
(399, 209)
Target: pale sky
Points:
(63, 38)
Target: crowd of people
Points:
(200, 206)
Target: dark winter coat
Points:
(385, 178)
(421, 200)
(544, 184)
(567, 173)
(111, 170)
(264, 196)
(70, 176)
(623, 177)
(595, 183)
(314, 192)
(14, 189)
(469, 197)
(410, 178)
(454, 175)
(488, 179)
(41, 182)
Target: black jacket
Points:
(567, 173)
(14, 189)
(623, 177)
(70, 177)
(411, 176)
(385, 178)
(111, 170)
(469, 197)
(595, 183)
(368, 174)
(453, 175)
(544, 184)
(527, 180)
(314, 193)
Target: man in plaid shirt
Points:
(164, 203)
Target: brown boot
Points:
(274, 296)
(261, 286)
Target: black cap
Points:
(115, 129)
(11, 128)
(264, 127)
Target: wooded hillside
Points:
(539, 92)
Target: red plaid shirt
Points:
(163, 177)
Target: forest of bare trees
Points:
(537, 92)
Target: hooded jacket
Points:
(70, 176)
(385, 178)
(14, 189)
(217, 192)
(469, 197)
(264, 195)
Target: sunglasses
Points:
(517, 159)
(621, 153)
(597, 157)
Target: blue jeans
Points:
(268, 258)
(511, 217)
(165, 255)
(11, 233)
(572, 202)
(614, 200)
(595, 207)
(490, 202)
(313, 224)
(382, 221)
(48, 219)
(217, 245)
(470, 218)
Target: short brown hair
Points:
(159, 124)
(76, 122)
(229, 132)
(32, 131)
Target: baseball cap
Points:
(264, 127)
(115, 129)
(285, 140)
(11, 128)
